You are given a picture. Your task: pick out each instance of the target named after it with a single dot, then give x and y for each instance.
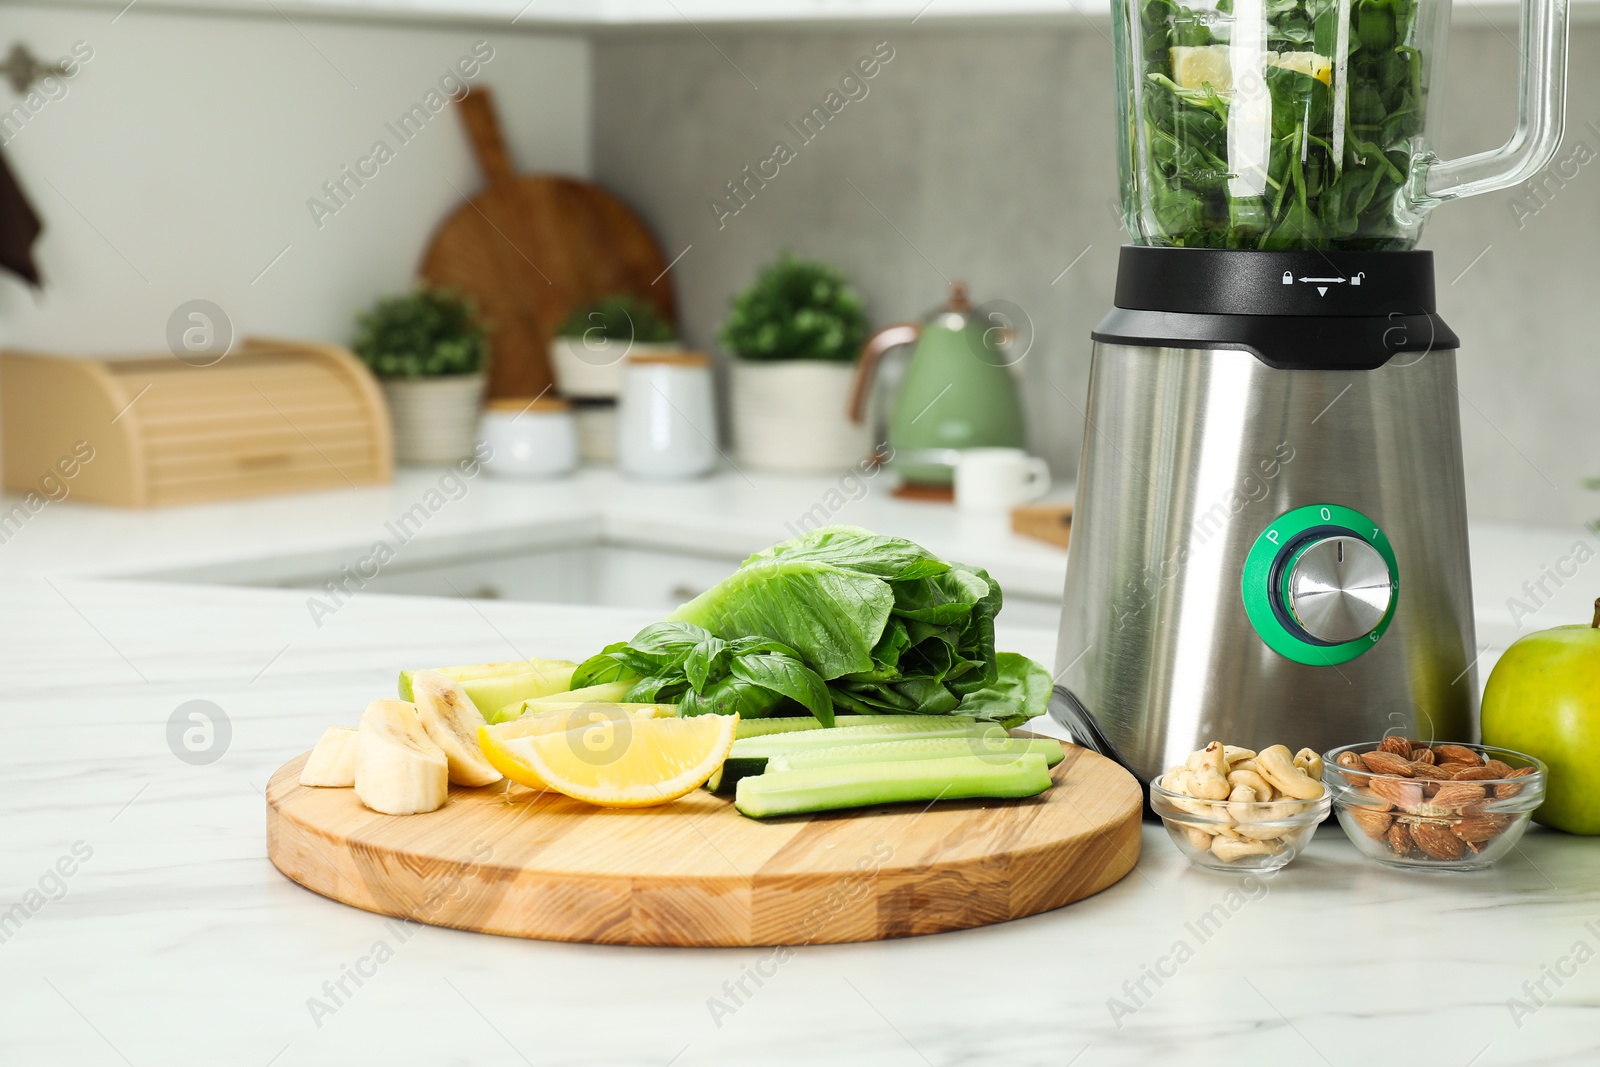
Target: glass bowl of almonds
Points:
(1434, 806)
(1235, 809)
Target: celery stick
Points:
(996, 749)
(901, 727)
(789, 724)
(858, 785)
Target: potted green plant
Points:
(795, 335)
(587, 352)
(428, 350)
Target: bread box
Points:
(272, 417)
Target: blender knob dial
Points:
(1338, 588)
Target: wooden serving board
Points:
(508, 860)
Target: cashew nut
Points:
(1239, 802)
(1198, 839)
(1228, 848)
(1253, 779)
(1208, 776)
(1277, 767)
(1233, 753)
(1309, 762)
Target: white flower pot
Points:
(789, 415)
(588, 370)
(435, 419)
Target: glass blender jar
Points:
(1269, 537)
(1303, 124)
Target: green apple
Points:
(1543, 698)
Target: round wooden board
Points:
(507, 860)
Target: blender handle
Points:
(901, 333)
(1541, 107)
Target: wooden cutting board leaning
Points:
(508, 860)
(530, 249)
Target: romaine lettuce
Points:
(836, 617)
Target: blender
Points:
(1269, 542)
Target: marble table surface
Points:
(141, 922)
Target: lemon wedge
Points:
(1317, 66)
(604, 731)
(615, 755)
(1196, 66)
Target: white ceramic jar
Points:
(667, 417)
(591, 367)
(529, 439)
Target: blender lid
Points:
(1305, 310)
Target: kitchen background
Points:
(178, 162)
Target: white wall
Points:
(179, 161)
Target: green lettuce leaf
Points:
(839, 617)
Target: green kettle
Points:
(956, 392)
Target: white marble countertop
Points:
(175, 941)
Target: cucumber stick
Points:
(903, 727)
(997, 749)
(857, 785)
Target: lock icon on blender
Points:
(1288, 278)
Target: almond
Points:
(1397, 746)
(1351, 760)
(1477, 829)
(1437, 840)
(1402, 794)
(1373, 822)
(1477, 774)
(1368, 799)
(1423, 755)
(1454, 769)
(1387, 763)
(1399, 839)
(1511, 789)
(1458, 754)
(1501, 770)
(1457, 794)
(1428, 770)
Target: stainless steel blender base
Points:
(1190, 457)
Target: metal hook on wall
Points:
(23, 69)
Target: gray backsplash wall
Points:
(988, 155)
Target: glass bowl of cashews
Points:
(1236, 809)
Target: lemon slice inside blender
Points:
(1317, 66)
(1196, 66)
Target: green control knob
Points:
(1321, 584)
(1337, 588)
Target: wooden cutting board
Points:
(1044, 522)
(507, 860)
(531, 249)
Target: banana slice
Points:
(452, 721)
(398, 770)
(333, 760)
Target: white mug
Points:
(998, 479)
(667, 417)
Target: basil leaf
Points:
(786, 675)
